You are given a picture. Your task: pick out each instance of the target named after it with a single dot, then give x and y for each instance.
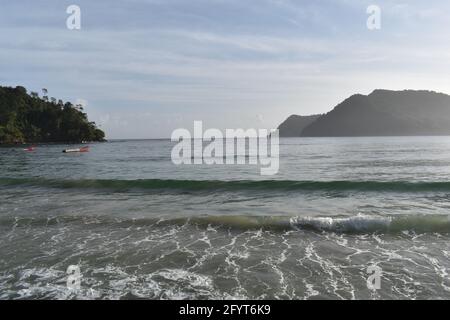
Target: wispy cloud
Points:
(168, 62)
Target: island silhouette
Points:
(381, 113)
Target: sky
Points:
(146, 67)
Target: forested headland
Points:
(30, 118)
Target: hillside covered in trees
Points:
(29, 118)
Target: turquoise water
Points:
(138, 226)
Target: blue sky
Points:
(147, 67)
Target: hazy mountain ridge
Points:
(294, 125)
(381, 113)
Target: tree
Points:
(44, 94)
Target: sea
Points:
(344, 218)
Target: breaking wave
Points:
(341, 224)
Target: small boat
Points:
(82, 149)
(30, 149)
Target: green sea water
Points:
(137, 226)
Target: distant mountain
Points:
(382, 113)
(294, 125)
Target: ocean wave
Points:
(373, 224)
(357, 224)
(231, 185)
